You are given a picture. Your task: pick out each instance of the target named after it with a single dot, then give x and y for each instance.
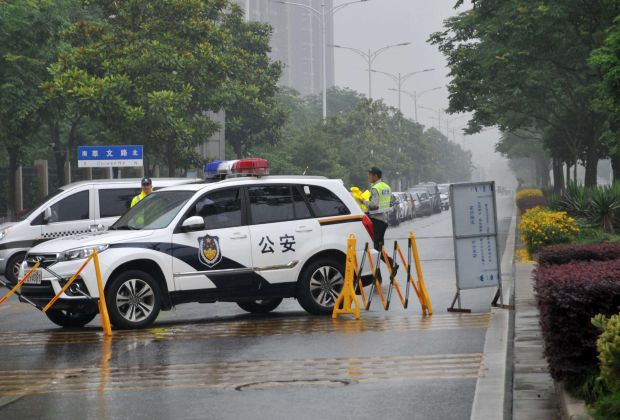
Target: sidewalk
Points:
(533, 390)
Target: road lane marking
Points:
(227, 373)
(257, 328)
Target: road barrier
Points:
(103, 309)
(348, 303)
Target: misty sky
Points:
(377, 23)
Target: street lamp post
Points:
(414, 97)
(323, 13)
(370, 57)
(401, 79)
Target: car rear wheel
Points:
(320, 284)
(12, 267)
(133, 299)
(260, 306)
(68, 318)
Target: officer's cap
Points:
(146, 181)
(375, 171)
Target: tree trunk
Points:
(14, 160)
(567, 173)
(591, 167)
(60, 155)
(172, 164)
(237, 148)
(558, 176)
(615, 166)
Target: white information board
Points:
(474, 209)
(474, 222)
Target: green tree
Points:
(524, 64)
(150, 71)
(28, 44)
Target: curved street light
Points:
(414, 97)
(323, 13)
(401, 79)
(370, 57)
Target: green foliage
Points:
(360, 134)
(151, 71)
(608, 346)
(575, 200)
(524, 65)
(604, 205)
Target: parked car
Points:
(76, 208)
(433, 193)
(410, 214)
(444, 194)
(395, 211)
(404, 206)
(422, 202)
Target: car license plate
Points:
(35, 278)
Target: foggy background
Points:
(377, 23)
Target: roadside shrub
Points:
(563, 254)
(575, 200)
(541, 227)
(528, 197)
(527, 193)
(530, 202)
(608, 346)
(568, 296)
(603, 206)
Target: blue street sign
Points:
(109, 156)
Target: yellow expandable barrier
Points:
(353, 277)
(347, 302)
(20, 283)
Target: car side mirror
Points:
(193, 223)
(47, 215)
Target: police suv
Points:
(251, 239)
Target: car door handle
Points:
(238, 236)
(303, 229)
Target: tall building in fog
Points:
(296, 41)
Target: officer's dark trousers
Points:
(380, 227)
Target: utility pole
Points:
(400, 80)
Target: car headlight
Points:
(81, 253)
(4, 231)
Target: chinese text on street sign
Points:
(474, 222)
(109, 156)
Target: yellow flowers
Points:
(540, 226)
(528, 193)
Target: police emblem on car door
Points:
(209, 251)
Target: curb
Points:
(490, 396)
(571, 407)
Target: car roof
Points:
(134, 181)
(252, 180)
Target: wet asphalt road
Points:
(214, 361)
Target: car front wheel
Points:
(320, 284)
(12, 267)
(133, 299)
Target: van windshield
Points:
(155, 211)
(28, 212)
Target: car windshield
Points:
(25, 214)
(155, 211)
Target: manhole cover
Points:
(295, 382)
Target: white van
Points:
(75, 208)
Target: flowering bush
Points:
(529, 198)
(540, 227)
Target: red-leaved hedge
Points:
(530, 202)
(568, 296)
(563, 254)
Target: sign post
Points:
(110, 156)
(476, 247)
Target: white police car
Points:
(253, 240)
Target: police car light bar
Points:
(251, 167)
(220, 169)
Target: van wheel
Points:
(320, 284)
(133, 299)
(260, 306)
(68, 318)
(12, 267)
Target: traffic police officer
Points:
(147, 188)
(378, 207)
